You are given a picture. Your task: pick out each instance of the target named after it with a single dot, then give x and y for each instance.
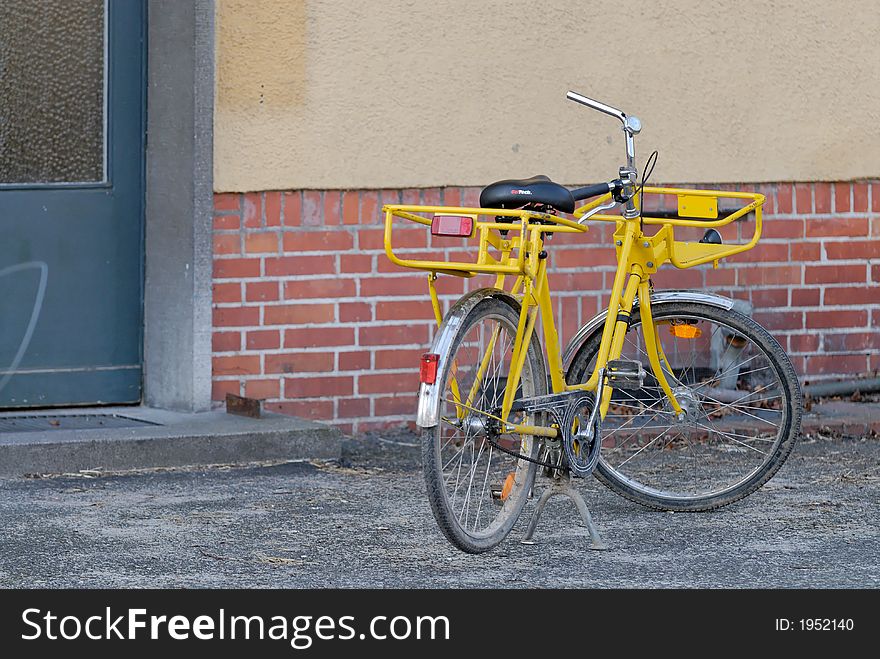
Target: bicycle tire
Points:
(790, 410)
(455, 524)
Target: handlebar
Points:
(593, 190)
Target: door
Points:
(71, 201)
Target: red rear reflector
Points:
(428, 368)
(459, 226)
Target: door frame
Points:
(179, 195)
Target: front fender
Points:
(597, 323)
(428, 414)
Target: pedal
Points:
(625, 374)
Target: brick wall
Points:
(310, 315)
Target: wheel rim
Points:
(736, 413)
(483, 486)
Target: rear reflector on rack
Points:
(428, 368)
(458, 226)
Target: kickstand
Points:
(562, 485)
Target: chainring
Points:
(581, 452)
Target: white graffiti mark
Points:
(35, 314)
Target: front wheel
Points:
(741, 411)
(476, 490)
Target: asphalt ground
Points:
(364, 521)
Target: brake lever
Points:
(597, 209)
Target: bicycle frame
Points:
(638, 257)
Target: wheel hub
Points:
(689, 403)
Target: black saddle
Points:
(516, 193)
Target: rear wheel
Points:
(741, 411)
(477, 491)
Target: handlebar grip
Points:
(591, 191)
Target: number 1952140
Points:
(815, 624)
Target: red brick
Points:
(862, 295)
(354, 361)
(875, 274)
(452, 196)
(837, 226)
(803, 198)
(404, 310)
(227, 243)
(853, 249)
(875, 197)
(852, 365)
(432, 197)
(352, 408)
(262, 389)
(411, 197)
(860, 197)
(583, 257)
(805, 297)
(226, 342)
(273, 209)
(312, 409)
(670, 277)
(370, 211)
(261, 243)
(318, 288)
(261, 291)
(395, 405)
(719, 277)
(292, 209)
(370, 426)
(784, 193)
(332, 203)
(227, 201)
(834, 274)
(769, 192)
(312, 208)
(349, 263)
(300, 265)
(385, 286)
(769, 275)
(318, 241)
(806, 252)
(236, 365)
(763, 252)
(393, 335)
(822, 193)
(318, 386)
(771, 297)
(253, 210)
(263, 340)
(226, 293)
(236, 316)
(575, 281)
(390, 197)
(355, 312)
(225, 222)
(803, 342)
(779, 228)
(318, 337)
(296, 314)
(470, 197)
(836, 318)
(851, 341)
(350, 202)
(220, 388)
(389, 383)
(400, 358)
(779, 320)
(236, 268)
(299, 362)
(841, 198)
(374, 239)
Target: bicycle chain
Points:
(520, 456)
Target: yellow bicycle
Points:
(677, 400)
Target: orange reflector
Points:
(458, 226)
(428, 368)
(508, 486)
(685, 331)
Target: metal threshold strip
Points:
(54, 421)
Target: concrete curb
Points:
(176, 440)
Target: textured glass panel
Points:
(51, 91)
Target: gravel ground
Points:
(365, 522)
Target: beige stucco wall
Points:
(399, 93)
